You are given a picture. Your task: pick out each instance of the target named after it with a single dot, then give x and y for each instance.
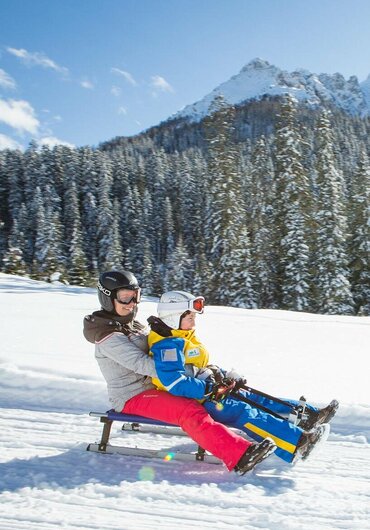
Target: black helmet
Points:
(110, 282)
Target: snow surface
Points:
(259, 78)
(50, 381)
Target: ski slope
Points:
(49, 382)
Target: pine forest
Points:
(263, 205)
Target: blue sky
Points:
(85, 71)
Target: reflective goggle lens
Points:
(198, 305)
(125, 300)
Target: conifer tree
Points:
(360, 236)
(77, 270)
(202, 272)
(114, 255)
(13, 262)
(14, 174)
(179, 269)
(147, 274)
(168, 228)
(47, 258)
(331, 264)
(292, 202)
(156, 185)
(25, 243)
(89, 223)
(226, 219)
(3, 241)
(109, 244)
(262, 225)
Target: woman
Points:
(181, 362)
(121, 350)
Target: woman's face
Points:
(188, 321)
(128, 302)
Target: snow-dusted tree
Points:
(114, 254)
(332, 285)
(76, 266)
(262, 226)
(3, 241)
(89, 224)
(53, 212)
(4, 191)
(179, 269)
(24, 224)
(131, 220)
(148, 277)
(227, 219)
(236, 258)
(202, 272)
(360, 236)
(156, 185)
(39, 265)
(168, 227)
(77, 269)
(13, 262)
(109, 244)
(188, 202)
(292, 204)
(14, 174)
(47, 258)
(32, 165)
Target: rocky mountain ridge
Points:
(260, 78)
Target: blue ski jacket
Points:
(177, 359)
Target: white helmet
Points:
(173, 304)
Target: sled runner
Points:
(141, 424)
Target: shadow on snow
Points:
(77, 467)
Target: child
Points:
(182, 366)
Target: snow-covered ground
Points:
(49, 382)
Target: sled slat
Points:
(153, 453)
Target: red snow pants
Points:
(193, 418)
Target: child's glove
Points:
(218, 373)
(239, 379)
(217, 391)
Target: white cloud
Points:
(87, 84)
(159, 83)
(52, 141)
(6, 81)
(37, 59)
(116, 91)
(122, 110)
(9, 143)
(125, 74)
(19, 114)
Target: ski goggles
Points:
(196, 305)
(125, 300)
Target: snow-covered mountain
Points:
(259, 78)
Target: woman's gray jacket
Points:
(122, 354)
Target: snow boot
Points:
(310, 440)
(255, 454)
(316, 418)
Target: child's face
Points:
(188, 321)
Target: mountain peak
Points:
(256, 64)
(259, 77)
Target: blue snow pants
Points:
(257, 423)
